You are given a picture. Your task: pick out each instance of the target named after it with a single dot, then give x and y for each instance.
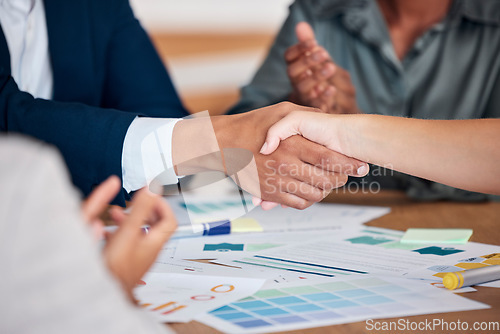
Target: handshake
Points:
(296, 172)
(300, 171)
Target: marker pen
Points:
(470, 277)
(203, 229)
(194, 230)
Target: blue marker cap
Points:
(217, 228)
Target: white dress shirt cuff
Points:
(147, 153)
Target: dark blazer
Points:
(106, 72)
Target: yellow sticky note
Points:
(239, 225)
(436, 235)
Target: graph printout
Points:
(181, 297)
(347, 299)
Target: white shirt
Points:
(23, 24)
(144, 157)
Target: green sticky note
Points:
(436, 235)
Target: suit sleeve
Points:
(136, 79)
(90, 139)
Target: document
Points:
(180, 297)
(233, 246)
(320, 216)
(367, 250)
(348, 299)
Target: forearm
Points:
(460, 153)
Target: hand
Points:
(298, 174)
(326, 130)
(129, 252)
(320, 128)
(316, 80)
(97, 202)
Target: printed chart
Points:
(238, 245)
(365, 251)
(350, 299)
(180, 297)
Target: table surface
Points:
(483, 218)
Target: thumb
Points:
(281, 130)
(304, 32)
(99, 199)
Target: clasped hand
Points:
(297, 174)
(316, 80)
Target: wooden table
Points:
(484, 218)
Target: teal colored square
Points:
(252, 304)
(369, 240)
(212, 206)
(286, 300)
(252, 323)
(318, 297)
(339, 304)
(230, 203)
(389, 289)
(369, 282)
(193, 208)
(223, 309)
(305, 308)
(233, 315)
(270, 311)
(355, 293)
(335, 286)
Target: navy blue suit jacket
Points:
(106, 72)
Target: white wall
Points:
(214, 72)
(211, 16)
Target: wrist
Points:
(195, 146)
(344, 132)
(223, 128)
(351, 133)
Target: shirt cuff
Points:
(147, 153)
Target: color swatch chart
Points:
(180, 297)
(313, 305)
